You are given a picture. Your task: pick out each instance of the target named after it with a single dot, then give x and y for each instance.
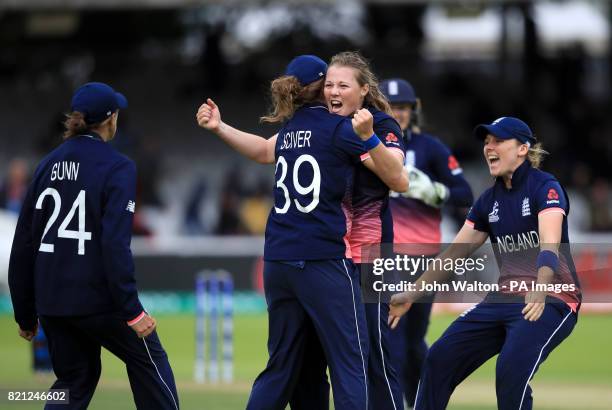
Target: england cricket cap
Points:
(97, 102)
(506, 128)
(398, 91)
(307, 69)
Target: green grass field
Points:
(577, 375)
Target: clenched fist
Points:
(363, 124)
(208, 116)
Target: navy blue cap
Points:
(307, 68)
(97, 102)
(506, 128)
(398, 91)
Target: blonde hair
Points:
(288, 95)
(536, 155)
(364, 75)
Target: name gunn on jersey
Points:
(519, 242)
(65, 170)
(296, 139)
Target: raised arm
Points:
(384, 162)
(465, 243)
(251, 146)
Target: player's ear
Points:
(365, 90)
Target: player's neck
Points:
(104, 133)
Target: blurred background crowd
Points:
(548, 62)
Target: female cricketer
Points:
(523, 327)
(351, 86)
(309, 279)
(436, 180)
(71, 267)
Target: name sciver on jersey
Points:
(65, 170)
(296, 139)
(311, 217)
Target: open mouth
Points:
(493, 159)
(335, 105)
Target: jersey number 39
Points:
(78, 205)
(314, 187)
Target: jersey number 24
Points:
(78, 205)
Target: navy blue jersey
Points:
(372, 222)
(315, 159)
(510, 217)
(413, 220)
(71, 251)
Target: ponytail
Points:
(74, 124)
(536, 155)
(288, 95)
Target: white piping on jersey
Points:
(365, 377)
(382, 355)
(159, 374)
(540, 356)
(320, 106)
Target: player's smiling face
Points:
(343, 93)
(503, 156)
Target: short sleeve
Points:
(477, 217)
(390, 134)
(550, 197)
(346, 140)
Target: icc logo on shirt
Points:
(493, 217)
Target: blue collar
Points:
(92, 135)
(518, 177)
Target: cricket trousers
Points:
(408, 345)
(409, 348)
(323, 296)
(385, 387)
(383, 382)
(75, 344)
(482, 332)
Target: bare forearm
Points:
(388, 166)
(251, 146)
